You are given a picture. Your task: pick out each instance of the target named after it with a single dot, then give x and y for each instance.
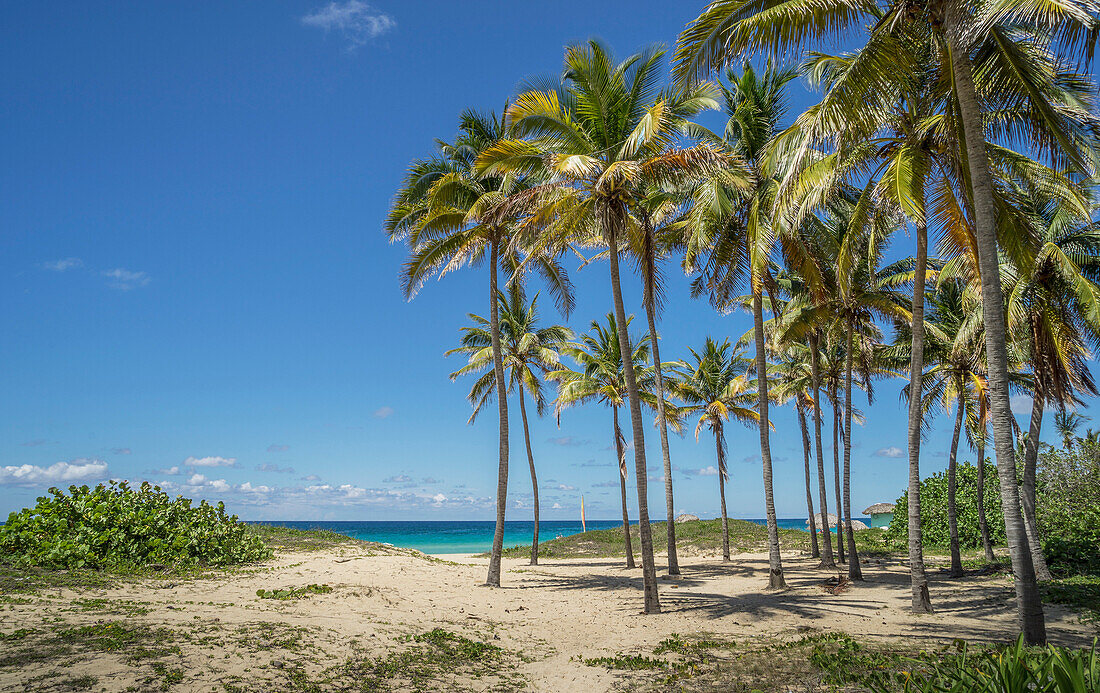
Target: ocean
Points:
(467, 536)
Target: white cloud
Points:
(356, 21)
(709, 470)
(429, 480)
(439, 498)
(556, 506)
(211, 461)
(1020, 405)
(892, 451)
(124, 280)
(74, 470)
(170, 471)
(311, 477)
(247, 487)
(397, 479)
(566, 487)
(64, 264)
(383, 412)
(121, 451)
(277, 448)
(197, 480)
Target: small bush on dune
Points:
(116, 526)
(1068, 510)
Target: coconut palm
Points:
(598, 141)
(717, 387)
(530, 351)
(794, 375)
(1054, 312)
(730, 233)
(601, 377)
(855, 233)
(994, 35)
(447, 214)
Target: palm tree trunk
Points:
(720, 450)
(855, 572)
(621, 455)
(651, 601)
(662, 426)
(1029, 606)
(952, 490)
(983, 523)
(493, 580)
(827, 560)
(534, 478)
(918, 577)
(1027, 488)
(775, 561)
(836, 475)
(815, 549)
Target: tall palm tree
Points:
(977, 433)
(731, 232)
(597, 141)
(530, 351)
(1022, 84)
(601, 377)
(1054, 312)
(717, 387)
(447, 214)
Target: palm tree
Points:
(447, 214)
(529, 351)
(794, 373)
(1010, 41)
(954, 347)
(716, 386)
(1067, 423)
(1054, 312)
(597, 141)
(601, 377)
(977, 433)
(730, 231)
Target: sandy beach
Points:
(220, 636)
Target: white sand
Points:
(552, 613)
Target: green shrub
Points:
(116, 526)
(1068, 508)
(933, 509)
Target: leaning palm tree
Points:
(601, 377)
(530, 351)
(1054, 312)
(597, 141)
(448, 215)
(991, 34)
(717, 387)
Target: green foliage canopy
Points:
(115, 526)
(933, 509)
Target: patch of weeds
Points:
(293, 592)
(138, 642)
(430, 661)
(125, 607)
(79, 683)
(624, 662)
(168, 676)
(17, 635)
(267, 635)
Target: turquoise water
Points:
(469, 536)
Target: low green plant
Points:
(933, 510)
(1068, 508)
(1016, 667)
(115, 526)
(293, 592)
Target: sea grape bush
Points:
(116, 526)
(933, 509)
(1068, 508)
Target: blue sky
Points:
(197, 290)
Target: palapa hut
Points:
(881, 514)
